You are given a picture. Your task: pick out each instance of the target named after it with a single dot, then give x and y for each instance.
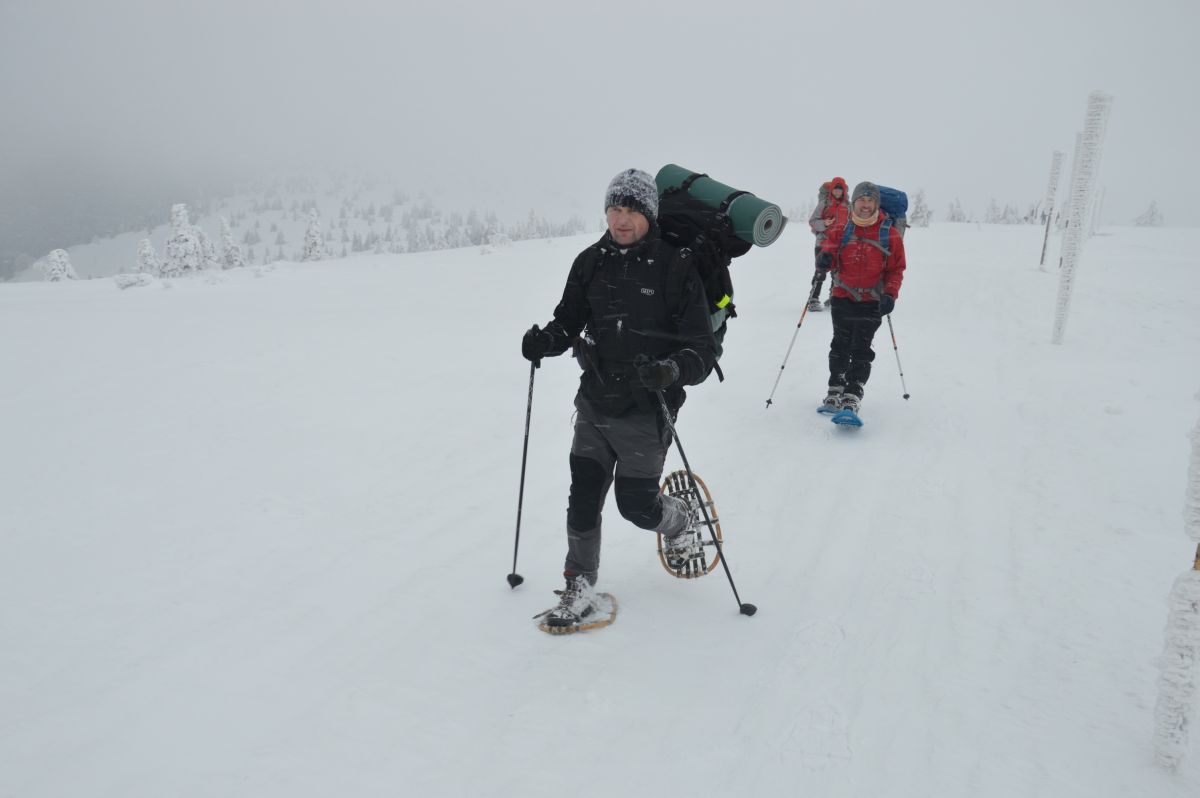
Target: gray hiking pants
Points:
(632, 449)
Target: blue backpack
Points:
(893, 202)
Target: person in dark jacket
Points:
(637, 307)
(866, 273)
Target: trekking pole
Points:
(744, 608)
(896, 349)
(803, 313)
(515, 578)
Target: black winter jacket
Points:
(644, 300)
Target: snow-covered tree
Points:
(314, 241)
(184, 254)
(955, 213)
(208, 252)
(1151, 218)
(57, 266)
(920, 215)
(231, 253)
(147, 259)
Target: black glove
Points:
(887, 303)
(536, 344)
(659, 374)
(824, 262)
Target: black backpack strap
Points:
(725, 203)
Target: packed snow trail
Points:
(257, 528)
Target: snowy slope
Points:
(269, 223)
(256, 528)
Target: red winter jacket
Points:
(830, 212)
(861, 268)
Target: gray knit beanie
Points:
(865, 189)
(635, 189)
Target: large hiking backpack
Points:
(685, 221)
(823, 194)
(894, 203)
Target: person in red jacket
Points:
(832, 210)
(865, 261)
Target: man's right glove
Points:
(824, 261)
(887, 303)
(536, 344)
(659, 375)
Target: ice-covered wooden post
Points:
(1179, 676)
(1096, 211)
(1087, 154)
(1048, 205)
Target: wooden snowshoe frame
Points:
(676, 484)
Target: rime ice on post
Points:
(1048, 205)
(1083, 175)
(1179, 679)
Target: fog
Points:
(536, 104)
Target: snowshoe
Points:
(846, 418)
(579, 608)
(686, 556)
(847, 414)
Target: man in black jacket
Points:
(647, 330)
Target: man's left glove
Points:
(824, 262)
(659, 375)
(887, 303)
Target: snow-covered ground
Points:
(256, 527)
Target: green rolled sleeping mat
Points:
(754, 221)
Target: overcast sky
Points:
(542, 102)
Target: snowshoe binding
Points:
(687, 555)
(832, 402)
(847, 414)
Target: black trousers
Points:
(850, 353)
(632, 449)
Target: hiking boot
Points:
(851, 402)
(815, 305)
(575, 603)
(832, 402)
(681, 549)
